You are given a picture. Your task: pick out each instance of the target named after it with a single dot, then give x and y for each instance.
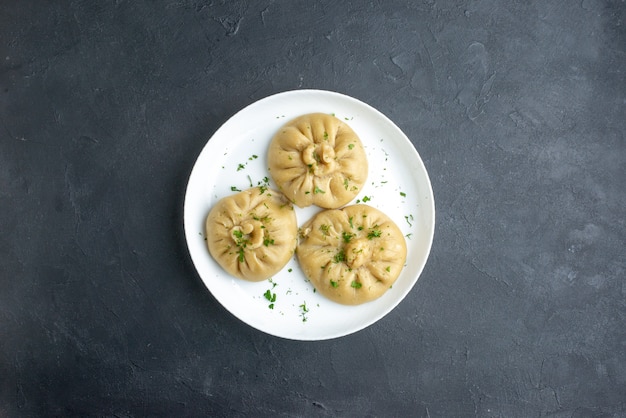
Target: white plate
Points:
(235, 156)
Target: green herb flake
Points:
(267, 242)
(305, 310)
(402, 194)
(356, 285)
(347, 237)
(350, 219)
(318, 190)
(254, 157)
(366, 199)
(325, 229)
(334, 283)
(388, 269)
(241, 167)
(350, 146)
(234, 189)
(339, 257)
(374, 233)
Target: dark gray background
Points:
(518, 110)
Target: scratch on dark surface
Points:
(484, 273)
(134, 365)
(476, 85)
(231, 24)
(189, 387)
(319, 405)
(88, 138)
(71, 195)
(263, 13)
(432, 64)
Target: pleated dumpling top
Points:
(317, 159)
(351, 255)
(252, 234)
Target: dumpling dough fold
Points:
(316, 159)
(252, 234)
(351, 255)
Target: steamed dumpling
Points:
(316, 159)
(252, 234)
(351, 255)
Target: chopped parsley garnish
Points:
(350, 221)
(409, 218)
(339, 257)
(241, 243)
(304, 312)
(402, 194)
(325, 136)
(374, 233)
(345, 184)
(350, 146)
(271, 297)
(325, 229)
(254, 157)
(347, 237)
(318, 190)
(240, 167)
(234, 189)
(267, 242)
(366, 199)
(356, 285)
(334, 283)
(388, 269)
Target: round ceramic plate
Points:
(287, 305)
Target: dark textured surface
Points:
(518, 110)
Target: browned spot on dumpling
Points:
(252, 234)
(351, 255)
(316, 159)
